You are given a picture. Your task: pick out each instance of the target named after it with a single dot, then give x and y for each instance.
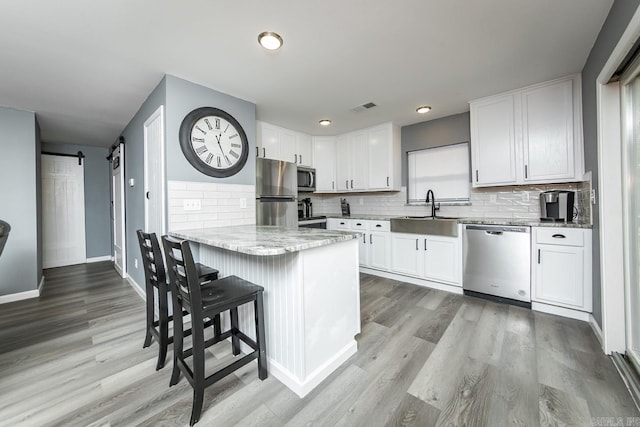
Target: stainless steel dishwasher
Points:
(497, 261)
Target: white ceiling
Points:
(85, 67)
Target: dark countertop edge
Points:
(484, 221)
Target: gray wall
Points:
(97, 195)
(134, 168)
(182, 98)
(434, 133)
(179, 98)
(19, 186)
(615, 24)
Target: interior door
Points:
(117, 203)
(63, 222)
(630, 109)
(154, 205)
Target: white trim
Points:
(596, 328)
(19, 296)
(139, 289)
(610, 194)
(99, 259)
(560, 311)
(413, 280)
(157, 114)
(302, 388)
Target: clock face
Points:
(213, 142)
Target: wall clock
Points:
(214, 142)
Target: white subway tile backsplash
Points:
(220, 205)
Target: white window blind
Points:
(445, 170)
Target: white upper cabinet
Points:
(324, 154)
(548, 132)
(304, 150)
(275, 142)
(384, 157)
(352, 165)
(532, 135)
(493, 141)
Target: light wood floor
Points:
(74, 357)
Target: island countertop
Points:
(264, 240)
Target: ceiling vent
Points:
(363, 107)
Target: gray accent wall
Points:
(182, 98)
(612, 29)
(97, 195)
(434, 133)
(20, 261)
(179, 98)
(134, 168)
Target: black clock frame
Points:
(187, 148)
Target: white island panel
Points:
(312, 307)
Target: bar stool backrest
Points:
(4, 234)
(152, 261)
(183, 276)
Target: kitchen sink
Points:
(439, 226)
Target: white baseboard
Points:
(413, 280)
(596, 330)
(139, 289)
(302, 388)
(561, 311)
(18, 296)
(41, 286)
(99, 259)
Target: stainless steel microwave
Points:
(306, 179)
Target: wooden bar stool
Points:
(155, 278)
(204, 302)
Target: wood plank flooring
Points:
(74, 357)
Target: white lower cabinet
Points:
(374, 241)
(562, 267)
(434, 258)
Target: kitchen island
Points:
(311, 293)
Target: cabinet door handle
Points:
(371, 239)
(333, 185)
(364, 238)
(352, 184)
(257, 152)
(417, 244)
(387, 181)
(476, 175)
(264, 152)
(526, 171)
(559, 236)
(300, 156)
(538, 256)
(346, 183)
(425, 245)
(295, 159)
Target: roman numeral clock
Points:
(213, 142)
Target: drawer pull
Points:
(559, 236)
(378, 225)
(538, 256)
(359, 224)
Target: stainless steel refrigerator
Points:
(276, 192)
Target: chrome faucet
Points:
(433, 203)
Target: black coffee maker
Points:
(557, 205)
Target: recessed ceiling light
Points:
(325, 122)
(270, 40)
(423, 109)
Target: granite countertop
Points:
(484, 221)
(264, 240)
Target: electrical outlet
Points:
(192, 204)
(593, 196)
(493, 198)
(243, 203)
(525, 196)
(135, 262)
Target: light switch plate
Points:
(593, 196)
(243, 203)
(192, 204)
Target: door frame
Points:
(610, 189)
(123, 270)
(159, 113)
